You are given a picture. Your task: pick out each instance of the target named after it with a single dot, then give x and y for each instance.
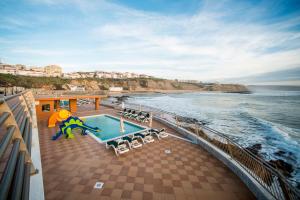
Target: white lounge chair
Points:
(121, 112)
(119, 146)
(145, 137)
(133, 142)
(144, 117)
(159, 133)
(128, 113)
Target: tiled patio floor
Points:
(72, 167)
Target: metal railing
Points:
(58, 93)
(16, 119)
(266, 175)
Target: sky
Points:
(280, 77)
(185, 39)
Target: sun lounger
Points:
(131, 114)
(158, 133)
(128, 113)
(145, 137)
(133, 142)
(125, 110)
(144, 117)
(136, 115)
(121, 112)
(119, 146)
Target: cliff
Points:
(130, 85)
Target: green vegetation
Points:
(132, 84)
(176, 85)
(7, 80)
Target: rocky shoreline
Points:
(285, 168)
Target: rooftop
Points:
(67, 97)
(72, 167)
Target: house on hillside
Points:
(76, 88)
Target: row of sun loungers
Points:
(140, 116)
(83, 101)
(123, 145)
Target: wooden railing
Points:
(265, 174)
(16, 124)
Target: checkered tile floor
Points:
(72, 167)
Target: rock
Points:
(190, 120)
(254, 149)
(288, 156)
(239, 92)
(121, 99)
(280, 153)
(187, 119)
(228, 88)
(285, 168)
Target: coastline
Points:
(136, 92)
(153, 92)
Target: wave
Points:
(276, 93)
(270, 127)
(247, 119)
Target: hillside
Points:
(135, 85)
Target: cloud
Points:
(40, 52)
(205, 38)
(221, 40)
(284, 77)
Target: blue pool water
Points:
(110, 126)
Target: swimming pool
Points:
(110, 127)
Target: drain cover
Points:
(167, 151)
(98, 185)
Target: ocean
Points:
(268, 116)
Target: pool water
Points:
(110, 126)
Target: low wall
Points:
(251, 183)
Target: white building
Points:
(87, 74)
(37, 69)
(76, 88)
(72, 75)
(30, 73)
(144, 76)
(53, 70)
(115, 89)
(188, 81)
(56, 71)
(8, 69)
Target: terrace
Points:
(70, 168)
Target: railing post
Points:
(196, 129)
(229, 148)
(284, 189)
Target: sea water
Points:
(267, 117)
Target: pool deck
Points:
(72, 167)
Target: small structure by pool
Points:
(46, 106)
